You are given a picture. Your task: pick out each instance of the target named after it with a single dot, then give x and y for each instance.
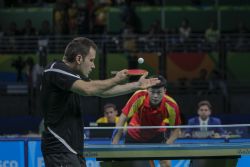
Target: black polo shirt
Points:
(61, 111)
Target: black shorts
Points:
(157, 139)
(63, 160)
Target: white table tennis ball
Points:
(140, 60)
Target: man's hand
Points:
(146, 83)
(121, 76)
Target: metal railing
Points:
(131, 43)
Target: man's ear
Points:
(78, 59)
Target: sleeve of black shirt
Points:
(63, 81)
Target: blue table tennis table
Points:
(226, 149)
(182, 148)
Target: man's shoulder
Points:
(60, 68)
(140, 93)
(58, 65)
(101, 120)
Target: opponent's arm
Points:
(119, 133)
(173, 136)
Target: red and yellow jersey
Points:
(140, 113)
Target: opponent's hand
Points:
(146, 83)
(114, 138)
(121, 76)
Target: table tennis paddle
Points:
(136, 72)
(133, 72)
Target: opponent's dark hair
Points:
(163, 81)
(79, 45)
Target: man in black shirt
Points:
(62, 83)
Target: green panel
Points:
(230, 19)
(114, 23)
(173, 17)
(7, 59)
(238, 65)
(81, 2)
(148, 15)
(234, 2)
(116, 62)
(186, 2)
(19, 15)
(198, 19)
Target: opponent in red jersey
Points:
(151, 107)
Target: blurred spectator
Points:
(28, 33)
(129, 16)
(12, 32)
(172, 39)
(217, 82)
(83, 20)
(59, 23)
(44, 34)
(129, 39)
(60, 18)
(153, 36)
(28, 29)
(130, 47)
(204, 118)
(45, 30)
(241, 38)
(184, 30)
(200, 83)
(19, 65)
(72, 19)
(110, 114)
(99, 17)
(33, 73)
(212, 36)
